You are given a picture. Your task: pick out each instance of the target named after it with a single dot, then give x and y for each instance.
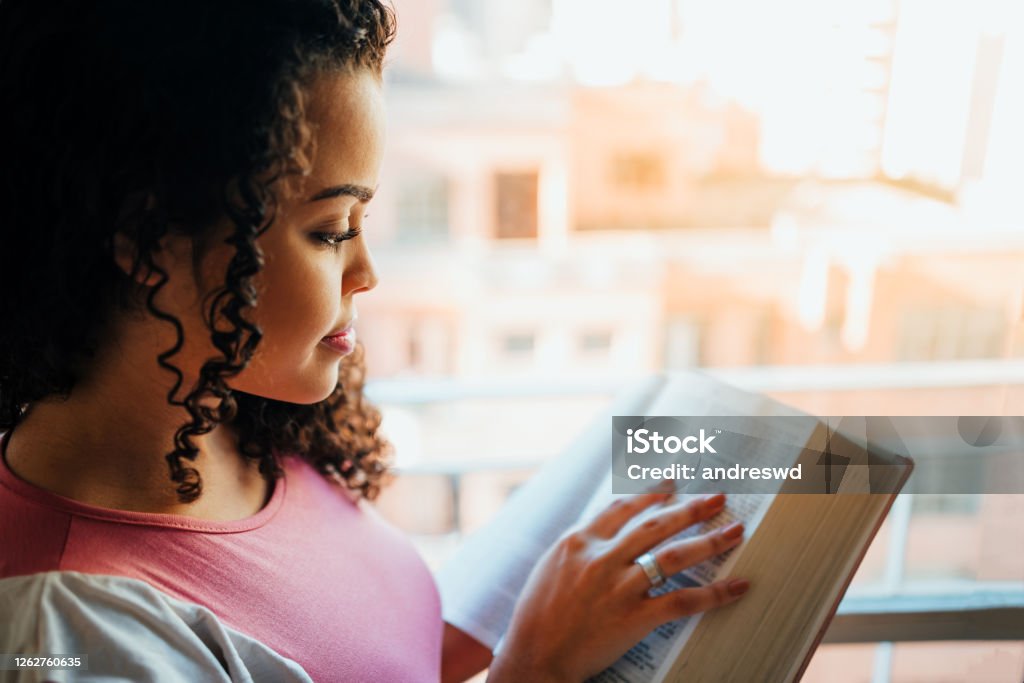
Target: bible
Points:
(800, 552)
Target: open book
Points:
(800, 553)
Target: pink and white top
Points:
(312, 587)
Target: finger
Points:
(608, 522)
(686, 601)
(657, 528)
(677, 556)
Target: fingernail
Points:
(734, 530)
(714, 502)
(738, 586)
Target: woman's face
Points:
(307, 287)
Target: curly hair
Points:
(128, 117)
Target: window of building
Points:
(430, 347)
(682, 342)
(965, 504)
(518, 343)
(638, 170)
(516, 205)
(423, 208)
(950, 333)
(595, 341)
(414, 347)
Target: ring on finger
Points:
(651, 569)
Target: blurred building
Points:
(573, 192)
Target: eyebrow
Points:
(363, 194)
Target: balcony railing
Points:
(889, 610)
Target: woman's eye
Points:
(334, 239)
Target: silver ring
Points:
(651, 568)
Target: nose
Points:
(360, 272)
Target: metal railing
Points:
(889, 613)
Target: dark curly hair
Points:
(126, 117)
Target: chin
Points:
(325, 390)
(306, 393)
(307, 398)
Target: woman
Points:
(187, 453)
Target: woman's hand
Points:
(586, 601)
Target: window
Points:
(951, 332)
(638, 171)
(595, 341)
(516, 205)
(423, 208)
(517, 344)
(682, 342)
(430, 348)
(414, 348)
(946, 503)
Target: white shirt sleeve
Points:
(130, 631)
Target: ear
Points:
(167, 255)
(124, 257)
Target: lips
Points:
(343, 342)
(344, 330)
(340, 333)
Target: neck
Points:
(105, 446)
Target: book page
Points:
(773, 443)
(483, 579)
(481, 582)
(646, 660)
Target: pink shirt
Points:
(313, 576)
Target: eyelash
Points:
(339, 237)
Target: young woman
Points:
(187, 453)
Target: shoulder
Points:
(303, 477)
(130, 630)
(32, 535)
